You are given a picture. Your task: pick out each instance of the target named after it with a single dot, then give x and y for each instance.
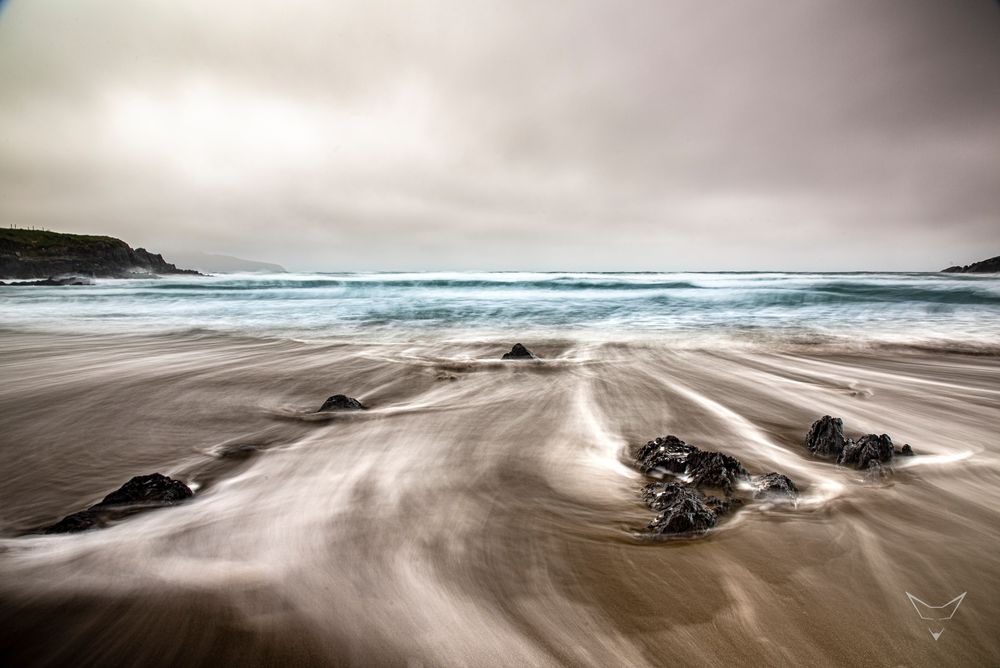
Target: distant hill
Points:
(991, 266)
(41, 254)
(225, 264)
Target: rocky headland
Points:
(40, 254)
(991, 266)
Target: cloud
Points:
(661, 135)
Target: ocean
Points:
(688, 309)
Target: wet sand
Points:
(483, 513)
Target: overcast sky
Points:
(662, 135)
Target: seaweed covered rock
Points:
(666, 452)
(715, 469)
(519, 352)
(826, 437)
(139, 494)
(342, 402)
(774, 486)
(870, 448)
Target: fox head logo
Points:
(937, 615)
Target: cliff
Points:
(991, 266)
(41, 254)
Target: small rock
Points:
(519, 352)
(342, 402)
(826, 437)
(138, 494)
(659, 495)
(775, 485)
(155, 488)
(685, 513)
(715, 469)
(865, 450)
(905, 451)
(666, 452)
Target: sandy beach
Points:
(485, 512)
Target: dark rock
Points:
(865, 450)
(66, 280)
(876, 472)
(715, 469)
(666, 452)
(905, 451)
(155, 488)
(775, 485)
(659, 495)
(342, 402)
(519, 352)
(991, 266)
(826, 437)
(137, 495)
(722, 506)
(684, 513)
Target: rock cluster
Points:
(139, 494)
(872, 453)
(683, 509)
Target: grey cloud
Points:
(591, 135)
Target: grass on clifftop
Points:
(45, 238)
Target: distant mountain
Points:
(991, 266)
(42, 254)
(225, 264)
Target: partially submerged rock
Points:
(715, 469)
(826, 437)
(342, 402)
(683, 511)
(774, 486)
(519, 352)
(905, 451)
(665, 452)
(870, 448)
(139, 494)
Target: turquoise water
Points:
(696, 309)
